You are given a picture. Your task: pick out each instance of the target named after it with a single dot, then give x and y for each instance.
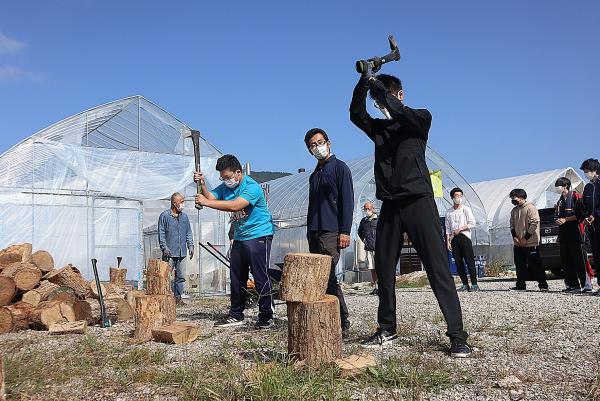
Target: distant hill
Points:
(264, 176)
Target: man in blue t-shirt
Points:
(253, 233)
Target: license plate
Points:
(550, 240)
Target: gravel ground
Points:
(528, 345)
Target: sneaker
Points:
(381, 339)
(229, 321)
(179, 302)
(460, 349)
(518, 289)
(569, 289)
(374, 292)
(475, 287)
(264, 324)
(596, 294)
(586, 291)
(463, 288)
(574, 291)
(544, 289)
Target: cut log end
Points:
(8, 290)
(43, 260)
(304, 277)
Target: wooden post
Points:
(314, 330)
(7, 290)
(117, 276)
(157, 278)
(69, 276)
(304, 277)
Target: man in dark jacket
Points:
(591, 201)
(367, 230)
(403, 184)
(330, 207)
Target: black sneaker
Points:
(586, 291)
(568, 289)
(381, 339)
(264, 324)
(229, 321)
(574, 291)
(374, 292)
(518, 289)
(460, 349)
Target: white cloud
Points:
(9, 45)
(10, 74)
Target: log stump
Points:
(305, 277)
(157, 278)
(314, 331)
(71, 277)
(25, 275)
(49, 312)
(43, 260)
(152, 312)
(117, 276)
(39, 294)
(15, 253)
(17, 317)
(7, 290)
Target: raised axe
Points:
(375, 63)
(195, 135)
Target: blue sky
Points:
(513, 86)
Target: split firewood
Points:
(117, 310)
(132, 295)
(77, 327)
(7, 290)
(83, 311)
(39, 294)
(63, 293)
(69, 276)
(152, 312)
(354, 365)
(304, 277)
(93, 290)
(15, 253)
(114, 291)
(17, 317)
(177, 333)
(25, 275)
(49, 312)
(43, 260)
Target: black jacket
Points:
(400, 143)
(331, 197)
(367, 231)
(591, 199)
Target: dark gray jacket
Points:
(367, 231)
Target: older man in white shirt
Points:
(459, 222)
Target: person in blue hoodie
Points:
(591, 201)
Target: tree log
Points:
(64, 293)
(157, 278)
(132, 295)
(304, 277)
(117, 276)
(83, 311)
(177, 333)
(7, 290)
(50, 312)
(78, 327)
(69, 276)
(15, 253)
(25, 275)
(43, 260)
(93, 290)
(15, 317)
(39, 294)
(152, 312)
(314, 330)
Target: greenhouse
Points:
(94, 184)
(494, 195)
(288, 202)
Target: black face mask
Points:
(515, 202)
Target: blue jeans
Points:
(178, 276)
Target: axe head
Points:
(191, 133)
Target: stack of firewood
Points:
(33, 294)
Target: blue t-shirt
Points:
(253, 221)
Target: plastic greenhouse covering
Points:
(93, 185)
(288, 202)
(494, 195)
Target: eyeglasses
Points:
(318, 143)
(227, 178)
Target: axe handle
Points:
(196, 142)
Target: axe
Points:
(195, 135)
(104, 320)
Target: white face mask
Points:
(320, 152)
(368, 213)
(181, 206)
(590, 175)
(231, 183)
(457, 201)
(558, 190)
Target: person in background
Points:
(175, 238)
(330, 208)
(525, 230)
(569, 236)
(367, 231)
(459, 222)
(591, 203)
(243, 197)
